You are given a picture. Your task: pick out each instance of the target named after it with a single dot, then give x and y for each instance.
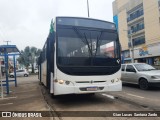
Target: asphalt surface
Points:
(93, 103)
(32, 96)
(148, 98)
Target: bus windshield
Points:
(87, 47)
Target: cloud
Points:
(27, 22)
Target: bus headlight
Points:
(115, 80)
(66, 82)
(60, 81)
(112, 80)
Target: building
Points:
(138, 24)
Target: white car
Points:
(35, 70)
(20, 73)
(140, 73)
(29, 70)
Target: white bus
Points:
(81, 55)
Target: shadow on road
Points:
(82, 99)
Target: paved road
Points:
(97, 102)
(88, 103)
(147, 98)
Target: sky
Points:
(27, 22)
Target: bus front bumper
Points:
(60, 89)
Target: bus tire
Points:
(53, 96)
(12, 76)
(40, 83)
(91, 94)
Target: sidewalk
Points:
(26, 97)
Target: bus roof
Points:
(87, 22)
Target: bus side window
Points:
(52, 60)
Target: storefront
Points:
(126, 57)
(157, 61)
(148, 54)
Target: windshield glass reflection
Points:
(144, 67)
(83, 47)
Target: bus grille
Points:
(90, 81)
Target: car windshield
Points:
(144, 67)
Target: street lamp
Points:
(88, 7)
(132, 47)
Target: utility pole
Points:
(88, 7)
(7, 41)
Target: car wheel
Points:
(25, 75)
(12, 76)
(143, 84)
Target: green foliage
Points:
(29, 56)
(52, 27)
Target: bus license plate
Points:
(92, 89)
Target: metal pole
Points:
(132, 49)
(14, 59)
(6, 69)
(88, 7)
(2, 96)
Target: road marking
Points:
(6, 104)
(8, 98)
(135, 95)
(109, 96)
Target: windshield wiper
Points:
(84, 39)
(90, 49)
(97, 43)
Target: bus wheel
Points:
(91, 94)
(12, 76)
(53, 96)
(40, 83)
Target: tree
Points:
(29, 56)
(23, 58)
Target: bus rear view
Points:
(86, 57)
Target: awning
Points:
(9, 49)
(127, 58)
